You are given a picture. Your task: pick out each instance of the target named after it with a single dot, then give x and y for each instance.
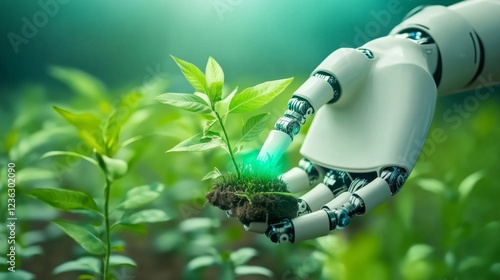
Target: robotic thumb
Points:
(275, 146)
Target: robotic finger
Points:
(334, 184)
(338, 213)
(298, 178)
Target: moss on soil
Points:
(233, 193)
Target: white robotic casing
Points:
(373, 138)
(468, 39)
(373, 109)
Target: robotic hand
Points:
(374, 106)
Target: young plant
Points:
(230, 264)
(95, 236)
(242, 187)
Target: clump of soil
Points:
(253, 198)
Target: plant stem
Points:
(219, 119)
(107, 229)
(280, 193)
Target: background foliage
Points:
(87, 55)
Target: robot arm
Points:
(321, 88)
(374, 106)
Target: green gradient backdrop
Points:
(118, 40)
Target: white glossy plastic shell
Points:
(387, 120)
(276, 144)
(463, 32)
(349, 67)
(484, 17)
(316, 91)
(373, 194)
(296, 179)
(318, 196)
(257, 227)
(456, 40)
(312, 225)
(337, 202)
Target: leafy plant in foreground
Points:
(250, 195)
(95, 237)
(210, 101)
(231, 264)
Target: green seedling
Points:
(95, 233)
(245, 187)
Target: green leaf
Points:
(215, 91)
(214, 174)
(253, 127)
(142, 195)
(113, 167)
(119, 260)
(168, 241)
(237, 149)
(197, 144)
(222, 107)
(84, 264)
(495, 269)
(193, 75)
(65, 199)
(418, 252)
(86, 277)
(132, 140)
(153, 187)
(194, 225)
(83, 237)
(470, 262)
(208, 125)
(80, 82)
(88, 127)
(468, 183)
(34, 174)
(30, 144)
(186, 101)
(30, 251)
(213, 71)
(118, 245)
(257, 96)
(145, 216)
(215, 79)
(72, 154)
(122, 112)
(229, 95)
(209, 135)
(432, 185)
(201, 262)
(243, 255)
(33, 237)
(19, 274)
(253, 270)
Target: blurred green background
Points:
(443, 225)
